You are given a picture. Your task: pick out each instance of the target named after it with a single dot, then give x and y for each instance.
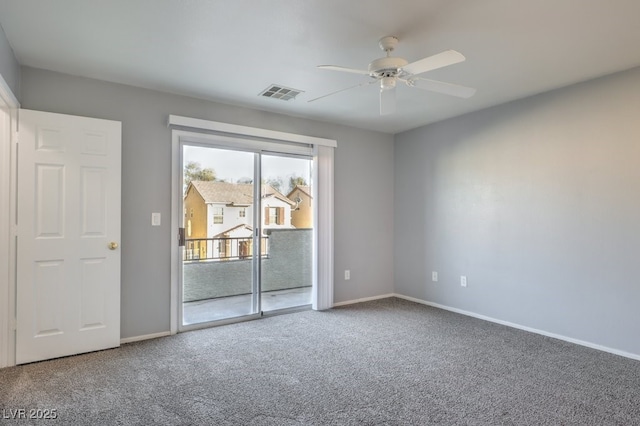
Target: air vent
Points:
(278, 91)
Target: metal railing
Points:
(222, 249)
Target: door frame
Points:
(8, 204)
(321, 149)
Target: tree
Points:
(296, 180)
(275, 182)
(194, 171)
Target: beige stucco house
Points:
(221, 215)
(302, 212)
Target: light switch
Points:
(155, 219)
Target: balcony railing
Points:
(222, 249)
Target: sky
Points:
(232, 165)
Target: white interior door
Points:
(68, 262)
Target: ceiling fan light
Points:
(387, 83)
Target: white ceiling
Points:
(230, 50)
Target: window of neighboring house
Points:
(274, 216)
(218, 215)
(191, 213)
(242, 212)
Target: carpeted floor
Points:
(385, 362)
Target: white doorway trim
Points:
(9, 106)
(322, 151)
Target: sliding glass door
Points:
(287, 223)
(246, 233)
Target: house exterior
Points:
(221, 215)
(302, 212)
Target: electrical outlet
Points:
(434, 276)
(463, 281)
(347, 274)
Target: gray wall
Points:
(537, 202)
(9, 67)
(363, 193)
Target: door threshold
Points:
(227, 321)
(284, 311)
(215, 323)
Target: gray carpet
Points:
(385, 362)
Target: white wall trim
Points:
(364, 299)
(5, 231)
(144, 337)
(523, 327)
(176, 216)
(234, 129)
(7, 95)
(8, 139)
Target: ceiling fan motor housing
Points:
(386, 67)
(388, 43)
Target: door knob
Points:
(113, 245)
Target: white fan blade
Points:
(343, 69)
(441, 87)
(439, 60)
(387, 101)
(366, 83)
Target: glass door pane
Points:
(218, 257)
(287, 231)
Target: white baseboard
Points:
(446, 308)
(144, 337)
(523, 327)
(364, 299)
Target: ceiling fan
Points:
(389, 70)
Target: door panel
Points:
(93, 201)
(49, 201)
(49, 287)
(218, 263)
(68, 277)
(286, 273)
(94, 285)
